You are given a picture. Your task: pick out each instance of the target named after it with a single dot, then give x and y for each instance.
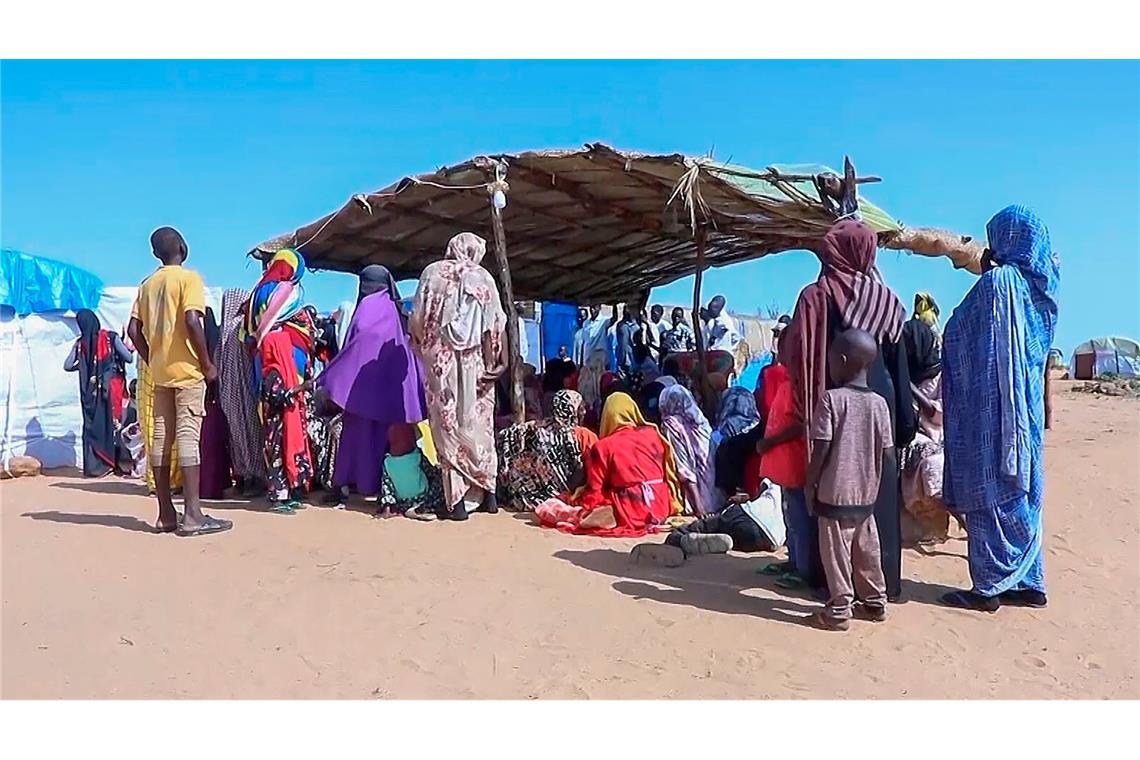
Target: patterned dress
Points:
(238, 400)
(425, 503)
(276, 403)
(455, 313)
(538, 460)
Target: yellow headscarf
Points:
(926, 309)
(621, 411)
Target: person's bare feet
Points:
(161, 526)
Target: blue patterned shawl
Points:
(994, 353)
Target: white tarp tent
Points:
(40, 415)
(1103, 356)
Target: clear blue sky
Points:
(95, 155)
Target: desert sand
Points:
(328, 604)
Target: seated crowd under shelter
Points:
(864, 430)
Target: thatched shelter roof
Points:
(590, 225)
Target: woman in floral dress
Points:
(457, 328)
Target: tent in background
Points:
(1101, 356)
(40, 414)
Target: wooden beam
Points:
(698, 323)
(514, 361)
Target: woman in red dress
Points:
(631, 479)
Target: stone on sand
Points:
(662, 555)
(21, 467)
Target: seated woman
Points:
(734, 440)
(540, 460)
(410, 485)
(737, 414)
(631, 479)
(690, 435)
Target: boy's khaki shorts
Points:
(178, 414)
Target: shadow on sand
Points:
(720, 583)
(109, 485)
(715, 582)
(122, 522)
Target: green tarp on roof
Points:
(875, 217)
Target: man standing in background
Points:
(720, 327)
(655, 330)
(679, 338)
(627, 331)
(168, 332)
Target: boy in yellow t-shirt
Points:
(167, 329)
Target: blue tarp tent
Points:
(35, 285)
(559, 323)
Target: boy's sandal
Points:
(824, 623)
(283, 508)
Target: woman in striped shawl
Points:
(850, 293)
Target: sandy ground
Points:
(331, 604)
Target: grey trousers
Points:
(852, 562)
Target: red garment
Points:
(786, 464)
(117, 387)
(105, 373)
(277, 353)
(626, 470)
(775, 376)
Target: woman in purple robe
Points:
(376, 379)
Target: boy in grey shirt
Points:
(850, 433)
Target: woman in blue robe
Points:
(994, 396)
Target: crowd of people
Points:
(865, 430)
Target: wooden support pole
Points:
(698, 323)
(514, 361)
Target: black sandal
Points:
(971, 600)
(209, 525)
(1024, 598)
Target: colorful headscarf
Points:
(277, 296)
(926, 308)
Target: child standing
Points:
(850, 433)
